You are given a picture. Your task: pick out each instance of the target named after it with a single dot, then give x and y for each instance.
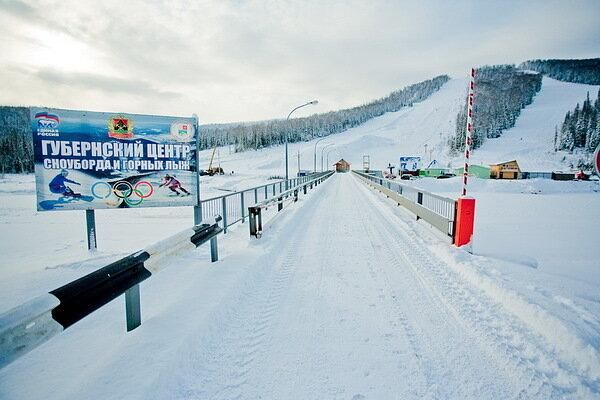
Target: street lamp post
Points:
(322, 150)
(327, 156)
(310, 103)
(316, 143)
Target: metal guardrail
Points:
(255, 211)
(232, 206)
(437, 210)
(27, 326)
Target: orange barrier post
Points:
(465, 221)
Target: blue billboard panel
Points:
(91, 160)
(410, 163)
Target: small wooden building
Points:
(342, 166)
(505, 170)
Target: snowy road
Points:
(340, 299)
(349, 305)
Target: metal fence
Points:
(27, 326)
(437, 210)
(255, 210)
(233, 207)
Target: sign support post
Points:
(90, 219)
(198, 206)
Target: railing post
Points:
(252, 220)
(214, 249)
(281, 186)
(90, 221)
(304, 189)
(273, 189)
(295, 195)
(419, 200)
(224, 208)
(255, 195)
(259, 219)
(266, 191)
(133, 311)
(243, 209)
(280, 204)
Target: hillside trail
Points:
(350, 305)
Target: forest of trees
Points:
(578, 71)
(581, 128)
(501, 92)
(16, 150)
(261, 134)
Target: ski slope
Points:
(338, 299)
(531, 140)
(426, 126)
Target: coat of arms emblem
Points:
(120, 127)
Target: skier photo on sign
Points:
(173, 184)
(57, 185)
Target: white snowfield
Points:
(424, 130)
(344, 297)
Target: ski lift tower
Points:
(366, 163)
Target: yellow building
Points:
(505, 170)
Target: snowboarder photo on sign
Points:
(57, 185)
(173, 184)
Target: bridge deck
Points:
(349, 303)
(340, 299)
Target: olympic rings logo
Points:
(133, 195)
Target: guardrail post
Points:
(243, 209)
(214, 250)
(252, 220)
(90, 220)
(224, 207)
(280, 204)
(296, 195)
(419, 200)
(259, 214)
(133, 311)
(304, 189)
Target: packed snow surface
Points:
(345, 295)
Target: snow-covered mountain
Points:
(424, 130)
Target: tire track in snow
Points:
(520, 353)
(221, 367)
(434, 329)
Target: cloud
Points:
(17, 8)
(108, 84)
(231, 61)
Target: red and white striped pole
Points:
(469, 132)
(465, 206)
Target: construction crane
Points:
(210, 171)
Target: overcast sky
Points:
(245, 60)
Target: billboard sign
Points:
(410, 163)
(91, 160)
